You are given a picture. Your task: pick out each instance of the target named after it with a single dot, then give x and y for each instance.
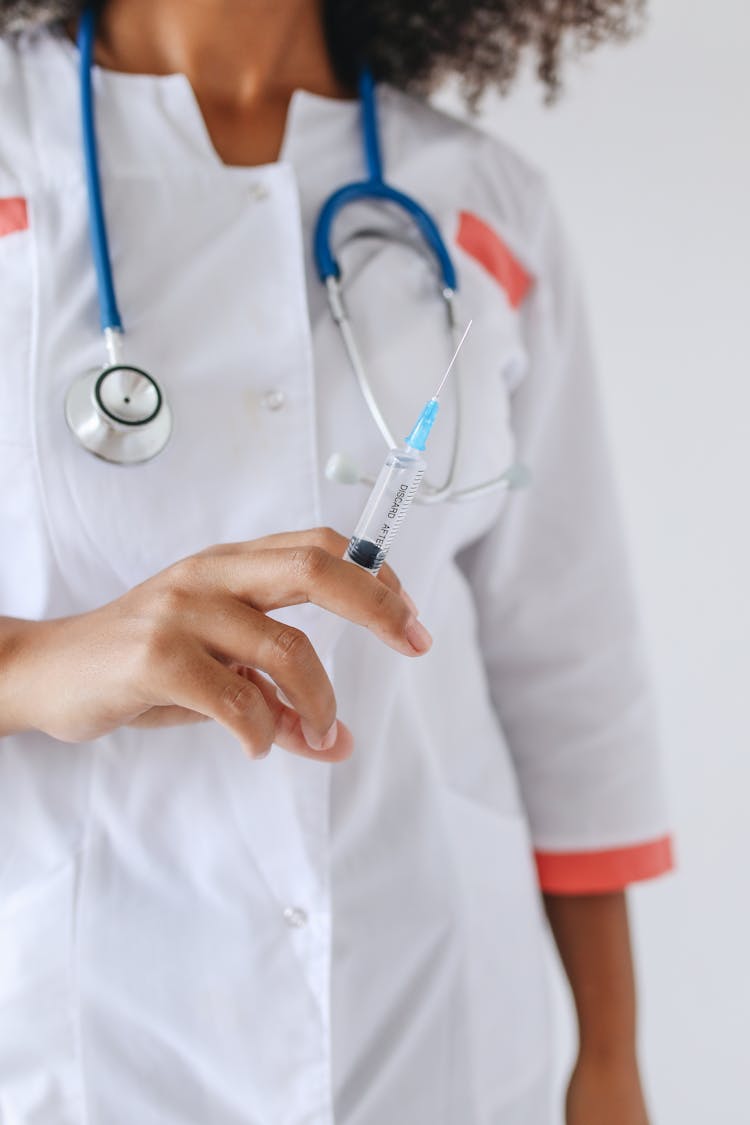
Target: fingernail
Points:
(329, 739)
(417, 636)
(315, 742)
(410, 602)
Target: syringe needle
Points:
(455, 357)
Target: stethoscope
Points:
(120, 413)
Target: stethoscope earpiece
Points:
(341, 468)
(518, 477)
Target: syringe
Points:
(383, 514)
(395, 488)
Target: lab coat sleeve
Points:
(558, 624)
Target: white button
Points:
(273, 400)
(295, 917)
(259, 192)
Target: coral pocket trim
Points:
(14, 215)
(485, 245)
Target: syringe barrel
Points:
(386, 507)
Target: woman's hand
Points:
(195, 642)
(606, 1092)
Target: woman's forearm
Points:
(593, 937)
(592, 933)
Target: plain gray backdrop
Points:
(649, 156)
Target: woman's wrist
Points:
(607, 1036)
(613, 1053)
(19, 643)
(606, 1090)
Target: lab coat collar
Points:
(152, 124)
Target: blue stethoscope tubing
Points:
(375, 188)
(109, 314)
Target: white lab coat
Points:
(185, 935)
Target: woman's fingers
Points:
(190, 624)
(276, 577)
(290, 734)
(243, 635)
(289, 730)
(203, 684)
(330, 541)
(149, 659)
(324, 537)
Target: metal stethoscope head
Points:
(341, 467)
(118, 411)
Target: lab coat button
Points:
(273, 400)
(259, 192)
(295, 917)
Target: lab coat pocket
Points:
(39, 1079)
(402, 330)
(505, 967)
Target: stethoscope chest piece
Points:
(119, 414)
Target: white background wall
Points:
(649, 152)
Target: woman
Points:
(190, 936)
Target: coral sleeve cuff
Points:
(599, 872)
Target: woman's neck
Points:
(243, 58)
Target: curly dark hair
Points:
(413, 43)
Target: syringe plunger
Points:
(386, 507)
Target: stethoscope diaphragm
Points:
(119, 414)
